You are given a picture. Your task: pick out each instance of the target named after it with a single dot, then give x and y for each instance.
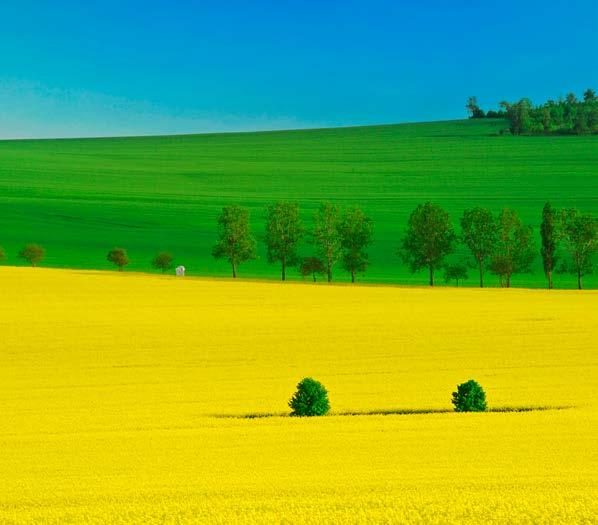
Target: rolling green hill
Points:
(81, 197)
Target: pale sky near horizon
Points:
(70, 68)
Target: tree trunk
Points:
(314, 276)
(481, 263)
(234, 270)
(549, 274)
(329, 271)
(579, 279)
(284, 268)
(431, 276)
(352, 276)
(508, 280)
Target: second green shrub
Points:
(310, 399)
(469, 397)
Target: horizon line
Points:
(238, 132)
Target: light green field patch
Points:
(80, 198)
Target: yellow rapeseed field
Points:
(114, 388)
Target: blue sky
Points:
(74, 68)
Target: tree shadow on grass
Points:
(395, 412)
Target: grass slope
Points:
(79, 198)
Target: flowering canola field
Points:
(121, 398)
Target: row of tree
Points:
(163, 261)
(565, 115)
(501, 243)
(338, 234)
(34, 254)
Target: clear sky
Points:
(118, 67)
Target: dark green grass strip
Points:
(395, 412)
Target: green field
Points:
(81, 197)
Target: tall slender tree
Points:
(514, 252)
(428, 240)
(355, 229)
(478, 232)
(326, 235)
(580, 233)
(473, 109)
(549, 234)
(284, 230)
(235, 242)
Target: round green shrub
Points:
(311, 399)
(469, 397)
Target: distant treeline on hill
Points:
(563, 116)
(500, 243)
